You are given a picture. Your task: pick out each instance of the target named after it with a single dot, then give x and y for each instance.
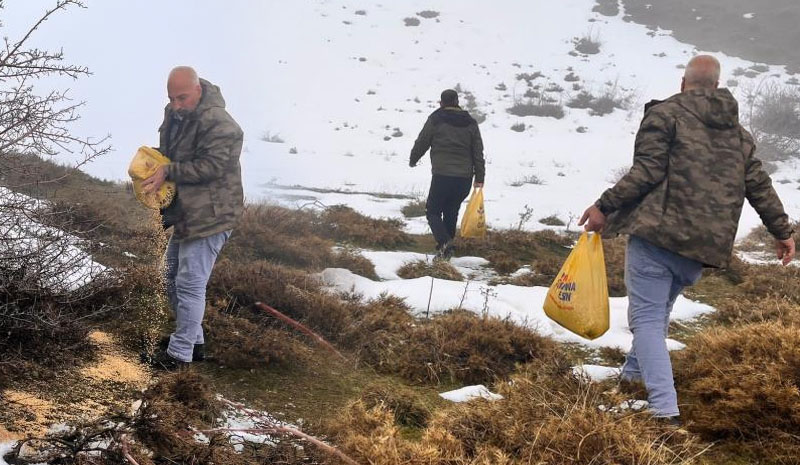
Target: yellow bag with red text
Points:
(473, 224)
(578, 298)
(144, 164)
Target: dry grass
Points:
(547, 416)
(436, 269)
(508, 250)
(743, 384)
(458, 346)
(290, 237)
(462, 347)
(614, 252)
(343, 224)
(239, 343)
(409, 407)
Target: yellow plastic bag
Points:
(578, 298)
(473, 224)
(144, 165)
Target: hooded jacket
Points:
(455, 142)
(693, 167)
(204, 151)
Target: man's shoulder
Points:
(218, 117)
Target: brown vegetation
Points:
(437, 269)
(546, 416)
(743, 384)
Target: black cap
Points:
(449, 98)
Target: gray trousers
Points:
(188, 267)
(654, 277)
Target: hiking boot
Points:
(198, 352)
(673, 422)
(445, 252)
(166, 362)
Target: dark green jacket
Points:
(204, 153)
(693, 166)
(455, 142)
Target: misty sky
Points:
(130, 46)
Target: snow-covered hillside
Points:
(346, 85)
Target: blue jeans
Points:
(654, 277)
(188, 267)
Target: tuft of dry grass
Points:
(509, 250)
(343, 224)
(546, 416)
(409, 407)
(436, 269)
(460, 346)
(237, 342)
(743, 384)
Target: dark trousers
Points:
(444, 199)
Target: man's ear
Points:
(683, 83)
(716, 85)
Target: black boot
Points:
(166, 362)
(198, 353)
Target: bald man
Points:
(203, 143)
(680, 203)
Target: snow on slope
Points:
(522, 305)
(334, 78)
(377, 76)
(50, 255)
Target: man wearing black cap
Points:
(456, 156)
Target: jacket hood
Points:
(454, 116)
(212, 97)
(716, 108)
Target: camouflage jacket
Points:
(693, 166)
(204, 164)
(455, 142)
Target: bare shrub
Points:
(527, 179)
(611, 98)
(414, 209)
(271, 138)
(552, 220)
(773, 116)
(588, 44)
(472, 104)
(537, 108)
(428, 14)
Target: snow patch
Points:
(596, 373)
(468, 393)
(520, 304)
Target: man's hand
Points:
(785, 250)
(477, 185)
(596, 219)
(154, 182)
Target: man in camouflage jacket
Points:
(680, 203)
(203, 143)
